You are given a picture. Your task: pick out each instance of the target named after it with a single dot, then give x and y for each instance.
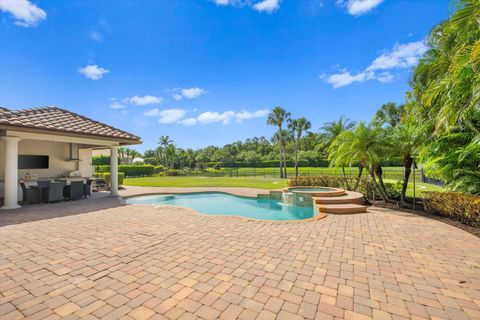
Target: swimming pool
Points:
(217, 203)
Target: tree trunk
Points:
(296, 159)
(360, 171)
(379, 174)
(375, 185)
(407, 163)
(280, 146)
(284, 160)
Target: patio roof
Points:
(59, 121)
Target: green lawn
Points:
(388, 172)
(250, 182)
(420, 188)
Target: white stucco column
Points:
(114, 171)
(11, 173)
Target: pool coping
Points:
(320, 215)
(335, 191)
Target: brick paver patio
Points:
(95, 259)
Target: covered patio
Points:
(50, 146)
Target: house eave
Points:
(120, 141)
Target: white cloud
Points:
(117, 106)
(93, 72)
(267, 6)
(191, 93)
(385, 77)
(26, 14)
(359, 7)
(402, 56)
(247, 115)
(143, 100)
(96, 36)
(155, 112)
(188, 122)
(171, 115)
(177, 96)
(345, 78)
(211, 117)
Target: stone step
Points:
(348, 197)
(341, 208)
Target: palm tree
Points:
(406, 139)
(163, 143)
(446, 91)
(390, 114)
(363, 144)
(332, 129)
(277, 117)
(298, 127)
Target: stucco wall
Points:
(58, 153)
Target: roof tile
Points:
(57, 119)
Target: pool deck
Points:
(98, 258)
(244, 192)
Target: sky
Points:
(207, 72)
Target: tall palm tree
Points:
(277, 117)
(298, 127)
(163, 143)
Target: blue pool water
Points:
(216, 203)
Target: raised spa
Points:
(217, 203)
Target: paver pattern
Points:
(146, 262)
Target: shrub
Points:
(101, 160)
(106, 176)
(455, 205)
(130, 170)
(365, 186)
(173, 172)
(158, 169)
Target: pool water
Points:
(217, 203)
(295, 189)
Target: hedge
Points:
(130, 170)
(269, 164)
(455, 205)
(365, 186)
(106, 176)
(101, 160)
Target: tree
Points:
(277, 117)
(331, 130)
(298, 127)
(163, 143)
(446, 95)
(406, 139)
(364, 144)
(390, 114)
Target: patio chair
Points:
(74, 191)
(30, 194)
(54, 193)
(87, 188)
(99, 184)
(43, 185)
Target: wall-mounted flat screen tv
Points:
(32, 162)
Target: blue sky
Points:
(206, 72)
